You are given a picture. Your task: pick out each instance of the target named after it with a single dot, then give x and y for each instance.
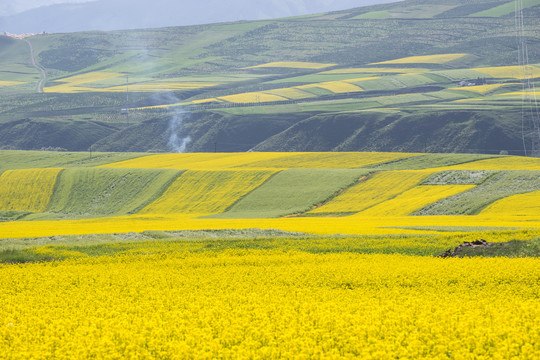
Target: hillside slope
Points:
(314, 192)
(437, 76)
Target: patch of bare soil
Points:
(458, 249)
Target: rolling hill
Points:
(412, 76)
(51, 193)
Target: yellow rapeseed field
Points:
(295, 297)
(290, 93)
(11, 83)
(369, 192)
(262, 160)
(198, 192)
(337, 87)
(426, 59)
(292, 64)
(162, 86)
(515, 72)
(270, 305)
(353, 225)
(253, 97)
(502, 163)
(414, 199)
(527, 204)
(376, 70)
(327, 160)
(481, 89)
(362, 79)
(27, 189)
(524, 94)
(71, 84)
(202, 101)
(199, 161)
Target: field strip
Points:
(262, 160)
(527, 204)
(11, 83)
(320, 226)
(321, 160)
(107, 191)
(198, 192)
(27, 189)
(292, 64)
(292, 191)
(414, 199)
(380, 187)
(480, 89)
(202, 161)
(495, 186)
(252, 97)
(499, 163)
(514, 72)
(71, 84)
(426, 59)
(376, 70)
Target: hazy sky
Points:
(8, 7)
(138, 14)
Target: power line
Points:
(530, 128)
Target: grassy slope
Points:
(10, 159)
(430, 161)
(292, 191)
(220, 53)
(104, 191)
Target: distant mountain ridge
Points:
(127, 14)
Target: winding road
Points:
(36, 65)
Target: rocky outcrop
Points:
(458, 249)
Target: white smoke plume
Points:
(176, 143)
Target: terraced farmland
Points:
(100, 191)
(238, 249)
(371, 191)
(263, 190)
(292, 191)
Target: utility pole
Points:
(127, 98)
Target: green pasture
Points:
(429, 161)
(315, 78)
(505, 9)
(516, 243)
(419, 11)
(15, 64)
(458, 177)
(292, 191)
(14, 159)
(460, 74)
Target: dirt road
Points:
(36, 65)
